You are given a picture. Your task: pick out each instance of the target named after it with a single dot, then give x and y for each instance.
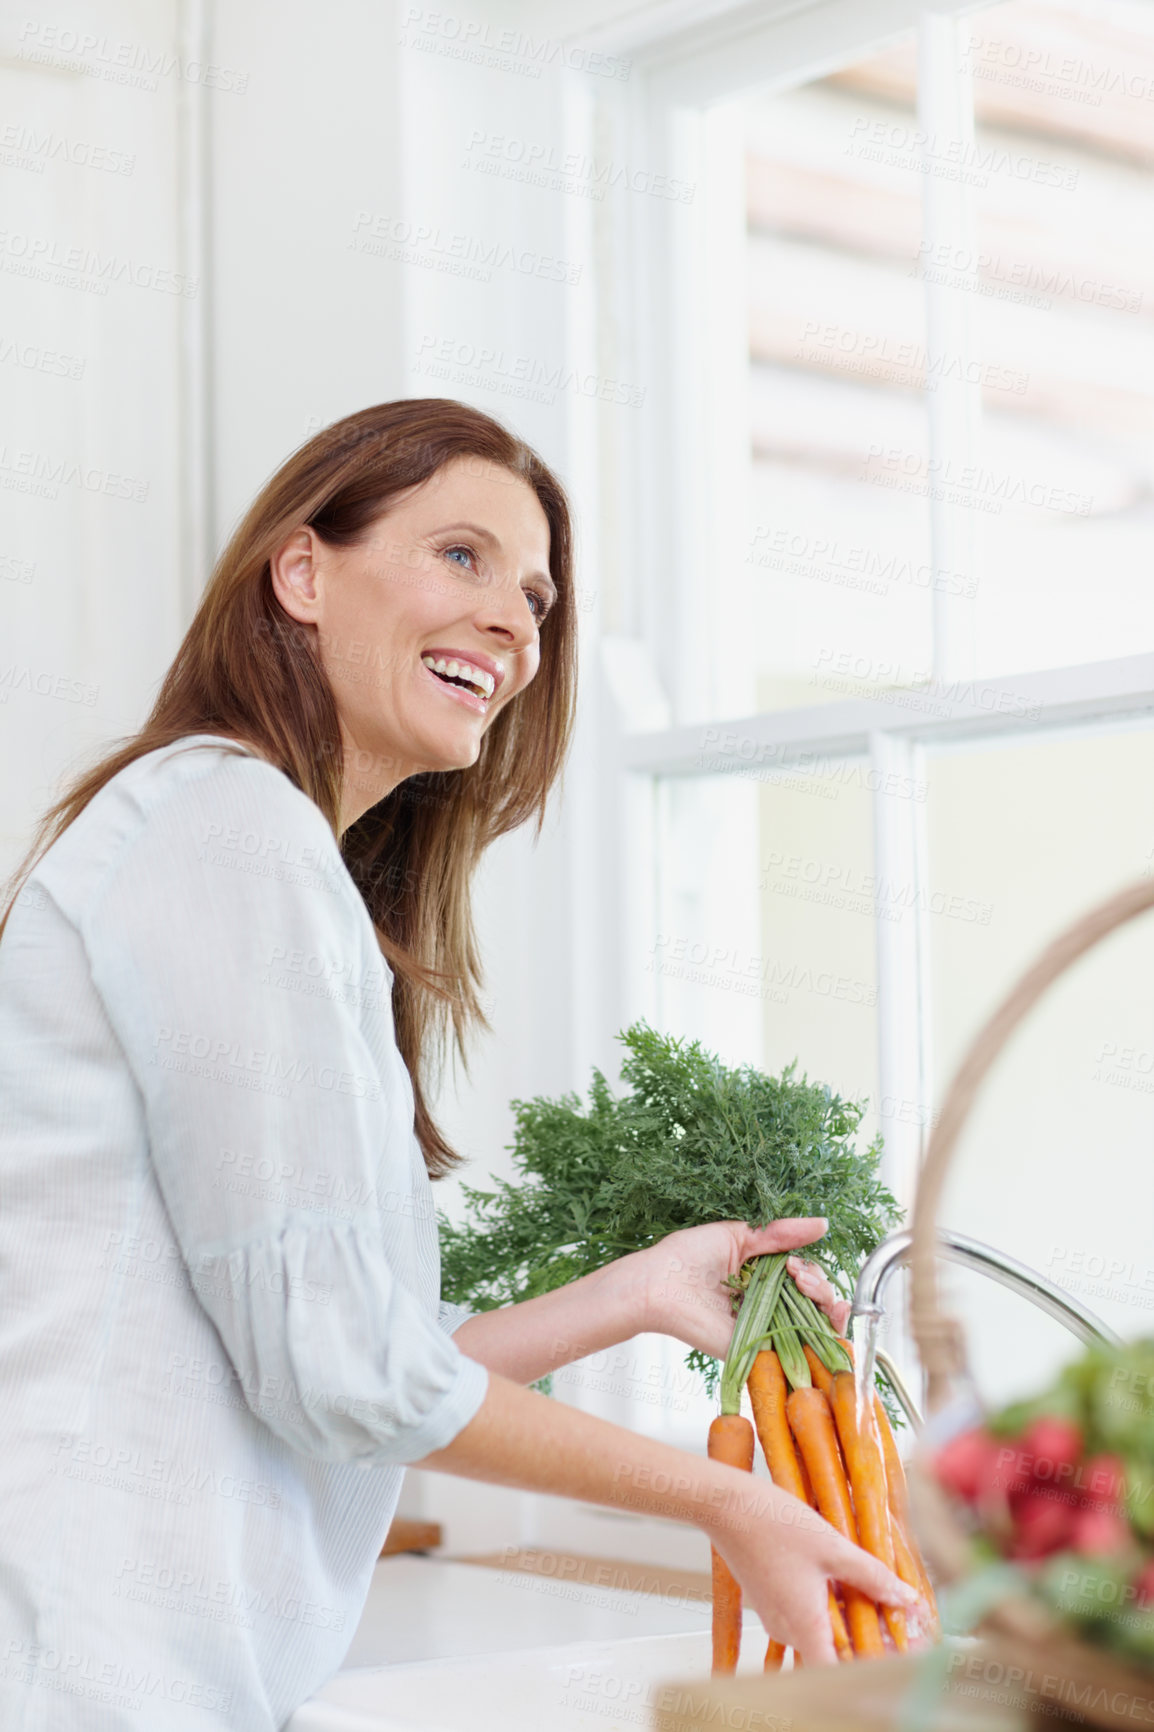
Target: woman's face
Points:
(429, 625)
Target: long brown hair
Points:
(246, 670)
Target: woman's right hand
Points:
(784, 1554)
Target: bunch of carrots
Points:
(800, 1377)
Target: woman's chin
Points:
(456, 754)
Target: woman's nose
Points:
(505, 609)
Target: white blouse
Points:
(220, 1336)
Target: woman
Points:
(242, 937)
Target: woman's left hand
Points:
(681, 1280)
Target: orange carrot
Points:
(731, 1441)
(809, 1497)
(812, 1425)
(898, 1498)
(900, 1512)
(767, 1394)
(840, 1634)
(774, 1655)
(867, 1479)
(823, 1379)
(904, 1565)
(895, 1472)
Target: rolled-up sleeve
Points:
(232, 955)
(451, 1317)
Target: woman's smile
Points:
(470, 678)
(460, 694)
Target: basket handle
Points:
(939, 1338)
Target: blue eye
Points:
(544, 602)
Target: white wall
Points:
(270, 156)
(95, 296)
(301, 330)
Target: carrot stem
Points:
(793, 1361)
(815, 1327)
(759, 1301)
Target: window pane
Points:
(1055, 1164)
(766, 947)
(763, 951)
(841, 567)
(1062, 291)
(1058, 281)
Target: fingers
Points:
(918, 1626)
(811, 1279)
(858, 1569)
(814, 1284)
(785, 1235)
(815, 1640)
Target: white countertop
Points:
(450, 1647)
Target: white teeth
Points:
(463, 671)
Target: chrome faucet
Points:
(893, 1252)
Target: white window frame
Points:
(669, 288)
(642, 686)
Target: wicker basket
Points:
(1091, 1684)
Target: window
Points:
(841, 560)
(893, 483)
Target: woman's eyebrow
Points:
(487, 535)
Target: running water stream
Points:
(865, 1344)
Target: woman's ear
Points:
(294, 571)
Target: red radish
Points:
(1102, 1481)
(1008, 1476)
(1053, 1443)
(1041, 1525)
(1098, 1530)
(966, 1464)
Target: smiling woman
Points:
(352, 566)
(235, 939)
